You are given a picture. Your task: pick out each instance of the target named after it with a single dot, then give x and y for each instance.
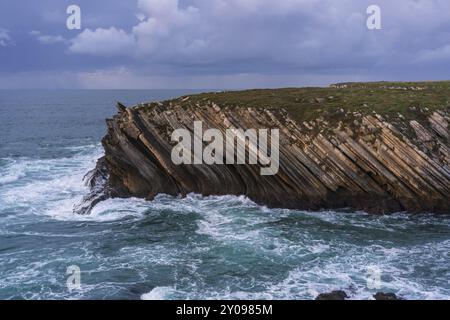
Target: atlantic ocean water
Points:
(181, 248)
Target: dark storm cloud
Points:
(232, 43)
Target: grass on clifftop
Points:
(386, 98)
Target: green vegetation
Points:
(410, 99)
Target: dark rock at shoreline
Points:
(334, 295)
(386, 296)
(342, 295)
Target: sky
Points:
(220, 44)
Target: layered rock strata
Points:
(364, 161)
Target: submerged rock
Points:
(328, 159)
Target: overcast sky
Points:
(220, 43)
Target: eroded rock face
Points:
(366, 163)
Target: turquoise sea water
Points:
(172, 248)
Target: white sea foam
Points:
(11, 173)
(53, 186)
(311, 252)
(108, 210)
(158, 293)
(339, 265)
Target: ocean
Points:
(181, 248)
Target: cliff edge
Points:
(376, 147)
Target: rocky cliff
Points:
(379, 148)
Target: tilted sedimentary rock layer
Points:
(370, 164)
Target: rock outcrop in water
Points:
(340, 295)
(370, 147)
(337, 295)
